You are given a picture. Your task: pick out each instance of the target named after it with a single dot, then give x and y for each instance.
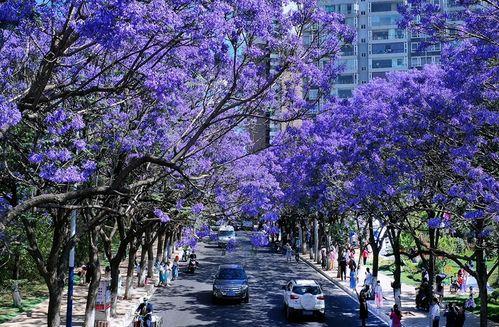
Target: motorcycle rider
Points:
(193, 263)
(144, 312)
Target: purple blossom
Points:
(259, 239)
(475, 214)
(203, 231)
(163, 217)
(197, 208)
(270, 217)
(180, 204)
(434, 223)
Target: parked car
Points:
(305, 297)
(230, 283)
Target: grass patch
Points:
(32, 295)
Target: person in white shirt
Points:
(434, 313)
(378, 295)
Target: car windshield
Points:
(231, 273)
(226, 233)
(314, 290)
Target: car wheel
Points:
(322, 316)
(214, 299)
(289, 314)
(246, 298)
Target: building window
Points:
(343, 94)
(414, 46)
(346, 79)
(362, 26)
(330, 8)
(380, 48)
(381, 6)
(348, 50)
(363, 54)
(381, 63)
(378, 75)
(385, 20)
(313, 94)
(363, 68)
(362, 12)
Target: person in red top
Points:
(396, 316)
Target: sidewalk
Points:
(411, 316)
(125, 308)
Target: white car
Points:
(304, 296)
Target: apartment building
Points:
(381, 46)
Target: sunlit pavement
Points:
(188, 301)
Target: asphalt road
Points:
(188, 301)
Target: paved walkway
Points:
(411, 316)
(125, 309)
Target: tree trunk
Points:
(161, 246)
(115, 272)
(431, 262)
(150, 260)
(94, 282)
(142, 265)
(481, 276)
(16, 268)
(376, 251)
(130, 270)
(395, 242)
(55, 298)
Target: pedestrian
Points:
(395, 316)
(460, 316)
(343, 267)
(289, 252)
(162, 274)
(470, 302)
(378, 295)
(364, 311)
(434, 314)
(369, 279)
(175, 268)
(323, 259)
(365, 255)
(90, 272)
(450, 316)
(353, 279)
(82, 272)
(333, 256)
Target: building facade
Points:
(381, 46)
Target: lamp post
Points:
(69, 309)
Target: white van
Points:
(225, 234)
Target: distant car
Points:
(225, 234)
(230, 283)
(304, 296)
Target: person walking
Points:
(460, 316)
(378, 295)
(396, 316)
(175, 267)
(333, 256)
(434, 314)
(343, 266)
(289, 252)
(450, 316)
(323, 259)
(353, 278)
(363, 309)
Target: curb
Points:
(348, 291)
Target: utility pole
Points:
(69, 310)
(316, 239)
